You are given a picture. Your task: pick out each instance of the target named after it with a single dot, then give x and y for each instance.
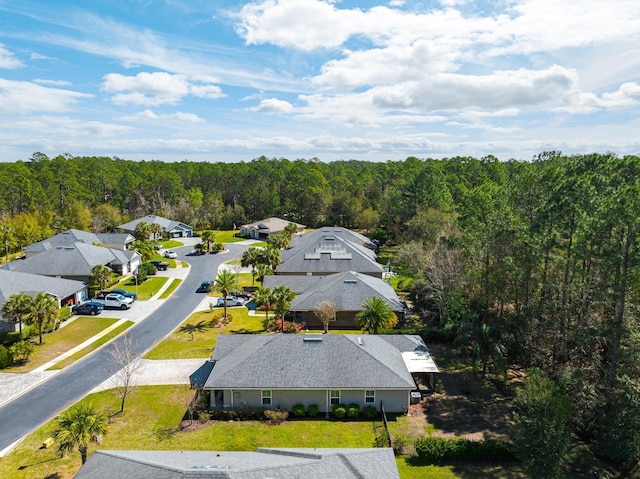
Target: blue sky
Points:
(224, 80)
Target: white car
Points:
(230, 300)
(170, 254)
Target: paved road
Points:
(29, 411)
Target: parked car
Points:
(125, 293)
(230, 300)
(160, 265)
(205, 287)
(170, 254)
(157, 246)
(114, 300)
(90, 307)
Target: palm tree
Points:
(77, 427)
(44, 312)
(250, 258)
(208, 237)
(225, 284)
(263, 298)
(17, 307)
(6, 230)
(269, 256)
(143, 231)
(99, 276)
(145, 248)
(376, 315)
(282, 297)
(263, 270)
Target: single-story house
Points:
(280, 463)
(175, 229)
(75, 261)
(262, 229)
(327, 254)
(339, 231)
(348, 290)
(65, 291)
(70, 237)
(281, 370)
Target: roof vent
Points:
(312, 338)
(351, 281)
(212, 466)
(360, 341)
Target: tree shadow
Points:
(44, 461)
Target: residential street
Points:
(29, 411)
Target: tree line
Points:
(531, 263)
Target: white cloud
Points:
(21, 97)
(273, 105)
(627, 95)
(44, 81)
(152, 116)
(155, 88)
(7, 60)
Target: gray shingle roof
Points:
(66, 238)
(348, 290)
(283, 361)
(12, 282)
(166, 224)
(328, 254)
(265, 463)
(271, 225)
(297, 283)
(311, 236)
(75, 260)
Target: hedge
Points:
(439, 450)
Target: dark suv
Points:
(205, 287)
(90, 308)
(160, 265)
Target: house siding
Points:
(394, 400)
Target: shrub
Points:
(21, 351)
(438, 450)
(353, 410)
(6, 358)
(204, 417)
(243, 414)
(276, 417)
(298, 410)
(339, 410)
(370, 412)
(65, 313)
(216, 247)
(144, 270)
(400, 442)
(313, 410)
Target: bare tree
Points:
(125, 361)
(325, 310)
(444, 273)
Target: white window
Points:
(335, 397)
(266, 397)
(369, 397)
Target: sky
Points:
(228, 81)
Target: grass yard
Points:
(179, 345)
(171, 288)
(150, 421)
(147, 289)
(62, 340)
(227, 236)
(169, 244)
(93, 346)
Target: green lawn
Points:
(179, 345)
(170, 244)
(151, 419)
(62, 340)
(227, 236)
(171, 288)
(93, 346)
(147, 289)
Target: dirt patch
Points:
(468, 406)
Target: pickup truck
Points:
(113, 300)
(160, 265)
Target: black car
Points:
(160, 265)
(205, 287)
(90, 308)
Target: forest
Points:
(534, 264)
